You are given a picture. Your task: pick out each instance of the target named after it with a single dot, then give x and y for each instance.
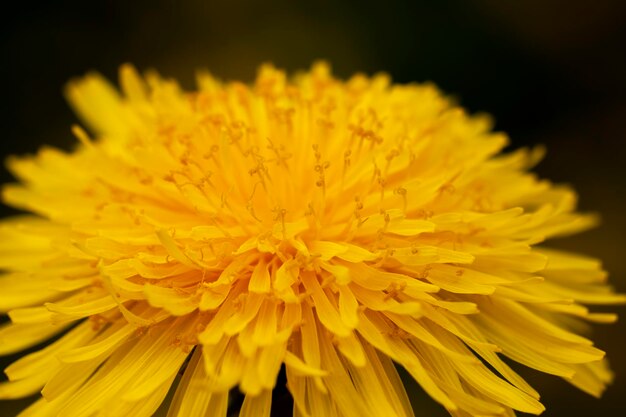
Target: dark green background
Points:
(550, 71)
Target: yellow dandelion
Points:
(336, 229)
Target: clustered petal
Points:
(334, 229)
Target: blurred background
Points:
(549, 71)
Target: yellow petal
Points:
(257, 406)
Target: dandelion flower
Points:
(336, 229)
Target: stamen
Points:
(402, 193)
(280, 216)
(81, 135)
(320, 168)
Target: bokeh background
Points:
(549, 71)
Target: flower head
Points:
(333, 228)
